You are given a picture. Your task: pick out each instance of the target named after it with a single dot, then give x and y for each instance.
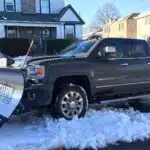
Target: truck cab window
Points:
(117, 54)
(137, 50)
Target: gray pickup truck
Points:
(92, 71)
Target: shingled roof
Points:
(19, 16)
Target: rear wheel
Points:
(71, 101)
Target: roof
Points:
(64, 10)
(19, 16)
(143, 15)
(120, 39)
(131, 16)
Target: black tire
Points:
(58, 112)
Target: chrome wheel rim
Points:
(72, 104)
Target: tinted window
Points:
(113, 43)
(77, 48)
(135, 49)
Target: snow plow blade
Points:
(11, 91)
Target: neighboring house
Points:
(39, 19)
(143, 26)
(125, 27)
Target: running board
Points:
(123, 100)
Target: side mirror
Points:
(110, 49)
(107, 52)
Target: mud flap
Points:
(11, 91)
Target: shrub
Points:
(55, 46)
(14, 47)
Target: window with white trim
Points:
(45, 8)
(9, 5)
(69, 31)
(11, 31)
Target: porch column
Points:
(2, 31)
(60, 31)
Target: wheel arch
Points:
(81, 80)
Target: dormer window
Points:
(9, 5)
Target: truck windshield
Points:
(77, 48)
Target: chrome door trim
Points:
(104, 86)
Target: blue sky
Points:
(87, 8)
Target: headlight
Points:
(36, 72)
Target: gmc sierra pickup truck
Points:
(92, 71)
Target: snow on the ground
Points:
(96, 129)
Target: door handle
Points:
(125, 64)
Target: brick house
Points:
(39, 19)
(125, 27)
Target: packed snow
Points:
(96, 129)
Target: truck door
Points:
(112, 75)
(140, 65)
(126, 72)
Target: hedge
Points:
(18, 46)
(14, 47)
(55, 46)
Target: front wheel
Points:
(71, 101)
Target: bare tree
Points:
(106, 12)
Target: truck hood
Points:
(35, 60)
(39, 60)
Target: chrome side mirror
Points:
(110, 49)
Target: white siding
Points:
(79, 31)
(37, 6)
(1, 5)
(69, 16)
(2, 31)
(44, 6)
(60, 32)
(56, 6)
(18, 5)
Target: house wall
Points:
(116, 32)
(129, 29)
(55, 5)
(60, 32)
(143, 30)
(106, 31)
(1, 5)
(18, 6)
(69, 15)
(132, 28)
(2, 31)
(37, 3)
(29, 6)
(59, 29)
(79, 31)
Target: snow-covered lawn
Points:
(97, 129)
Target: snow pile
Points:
(97, 129)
